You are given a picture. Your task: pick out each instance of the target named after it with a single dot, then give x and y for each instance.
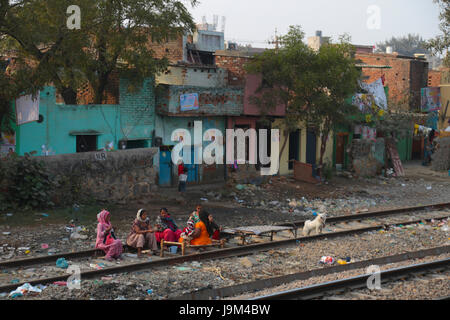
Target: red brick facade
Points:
(434, 78)
(405, 79)
(173, 50)
(235, 65)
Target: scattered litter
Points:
(44, 246)
(340, 261)
(60, 283)
(62, 263)
(27, 251)
(3, 294)
(203, 199)
(76, 236)
(97, 266)
(9, 214)
(25, 289)
(327, 260)
(120, 298)
(15, 281)
(149, 291)
(240, 187)
(429, 188)
(107, 278)
(183, 269)
(131, 255)
(6, 233)
(23, 248)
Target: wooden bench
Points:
(262, 231)
(184, 245)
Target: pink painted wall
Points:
(251, 85)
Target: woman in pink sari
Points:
(106, 240)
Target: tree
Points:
(406, 45)
(441, 43)
(115, 36)
(313, 86)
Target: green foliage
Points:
(114, 37)
(313, 86)
(407, 45)
(441, 43)
(24, 183)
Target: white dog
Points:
(318, 223)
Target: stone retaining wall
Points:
(117, 176)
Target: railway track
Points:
(221, 253)
(336, 287)
(258, 285)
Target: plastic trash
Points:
(44, 246)
(97, 266)
(15, 281)
(340, 261)
(76, 236)
(62, 263)
(149, 291)
(6, 233)
(327, 260)
(26, 288)
(44, 214)
(60, 283)
(240, 187)
(9, 214)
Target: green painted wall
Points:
(133, 118)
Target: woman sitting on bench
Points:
(201, 236)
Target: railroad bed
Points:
(409, 277)
(49, 273)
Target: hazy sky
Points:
(254, 21)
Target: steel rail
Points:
(296, 224)
(262, 284)
(213, 254)
(357, 282)
(370, 214)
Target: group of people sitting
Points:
(200, 230)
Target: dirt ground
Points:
(283, 199)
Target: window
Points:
(134, 144)
(86, 143)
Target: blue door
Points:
(165, 168)
(192, 168)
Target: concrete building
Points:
(81, 128)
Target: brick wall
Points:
(172, 49)
(405, 79)
(235, 66)
(212, 101)
(85, 94)
(434, 78)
